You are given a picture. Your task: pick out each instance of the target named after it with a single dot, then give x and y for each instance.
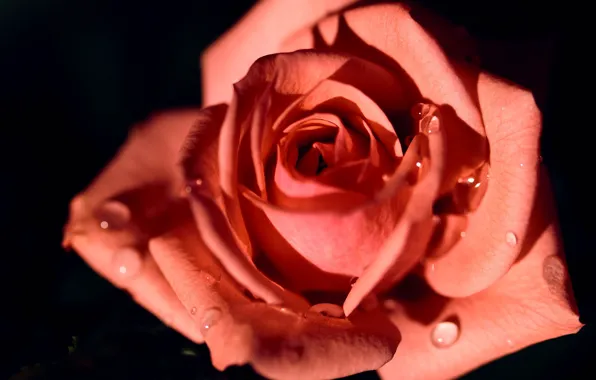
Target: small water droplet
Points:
(210, 319)
(328, 310)
(390, 304)
(128, 262)
(112, 215)
(353, 281)
(385, 177)
(432, 267)
(284, 309)
(444, 334)
(193, 310)
(510, 342)
(193, 185)
(419, 164)
(511, 238)
(462, 234)
(522, 165)
(209, 279)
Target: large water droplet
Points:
(113, 215)
(328, 310)
(127, 262)
(470, 190)
(444, 334)
(210, 318)
(511, 239)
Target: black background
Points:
(74, 75)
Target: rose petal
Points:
(388, 35)
(533, 302)
(277, 342)
(259, 33)
(513, 126)
(404, 247)
(147, 188)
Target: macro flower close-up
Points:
(356, 193)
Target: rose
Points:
(132, 226)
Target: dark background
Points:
(74, 75)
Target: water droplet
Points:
(419, 164)
(193, 185)
(432, 267)
(284, 309)
(462, 234)
(208, 278)
(470, 190)
(390, 304)
(193, 310)
(113, 215)
(210, 319)
(433, 125)
(444, 334)
(511, 238)
(419, 110)
(128, 262)
(385, 177)
(510, 342)
(328, 310)
(522, 165)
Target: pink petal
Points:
(276, 341)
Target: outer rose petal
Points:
(531, 303)
(278, 343)
(259, 33)
(147, 187)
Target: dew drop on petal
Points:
(462, 234)
(511, 239)
(444, 334)
(509, 342)
(433, 125)
(419, 164)
(113, 215)
(284, 309)
(210, 318)
(328, 310)
(127, 262)
(193, 310)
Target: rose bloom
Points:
(353, 195)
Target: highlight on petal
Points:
(278, 341)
